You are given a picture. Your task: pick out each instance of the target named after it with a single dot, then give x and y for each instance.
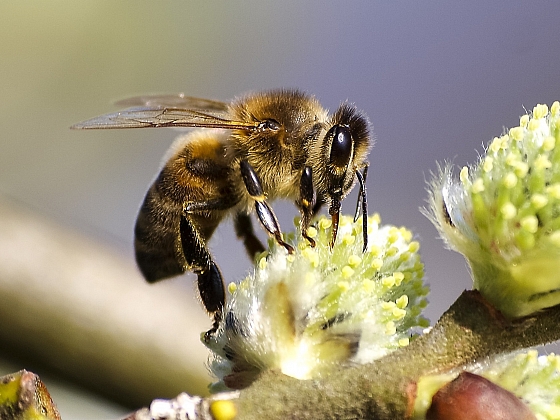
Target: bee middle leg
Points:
(264, 211)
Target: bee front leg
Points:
(306, 203)
(264, 211)
(210, 283)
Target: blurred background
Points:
(437, 79)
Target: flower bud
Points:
(503, 215)
(472, 397)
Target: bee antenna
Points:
(362, 199)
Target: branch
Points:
(469, 331)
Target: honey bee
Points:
(259, 147)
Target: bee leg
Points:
(264, 211)
(362, 199)
(210, 283)
(334, 211)
(211, 288)
(306, 202)
(244, 230)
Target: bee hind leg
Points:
(212, 294)
(210, 283)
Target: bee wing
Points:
(174, 101)
(156, 116)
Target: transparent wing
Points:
(156, 116)
(174, 101)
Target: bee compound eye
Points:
(273, 125)
(270, 124)
(341, 147)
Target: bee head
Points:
(339, 155)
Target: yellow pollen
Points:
(534, 125)
(508, 211)
(377, 263)
(478, 186)
(402, 302)
(311, 255)
(516, 133)
(495, 146)
(392, 251)
(464, 175)
(521, 169)
(548, 143)
(414, 246)
(542, 162)
(354, 260)
(347, 272)
(404, 256)
(530, 223)
(540, 111)
(554, 190)
(375, 249)
(393, 235)
(399, 313)
(325, 223)
(554, 238)
(388, 281)
(388, 306)
(311, 232)
(512, 159)
(403, 342)
(539, 201)
(343, 285)
(510, 180)
(405, 233)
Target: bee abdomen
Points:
(156, 233)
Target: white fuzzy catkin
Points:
(319, 308)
